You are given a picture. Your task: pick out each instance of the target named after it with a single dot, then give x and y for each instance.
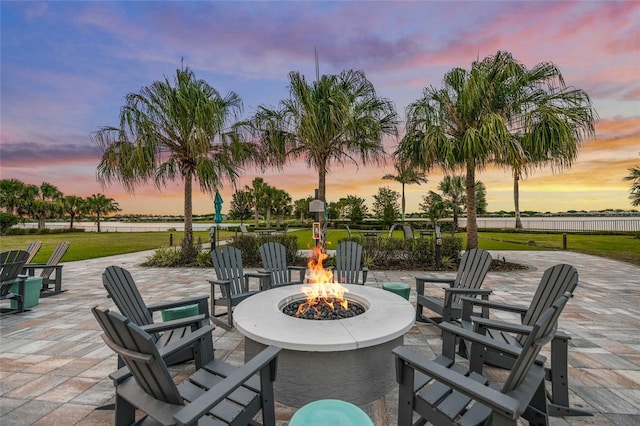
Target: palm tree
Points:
(257, 190)
(47, 203)
(101, 206)
(335, 118)
(634, 177)
(546, 120)
(12, 193)
(171, 132)
(453, 191)
(406, 175)
(73, 206)
(454, 129)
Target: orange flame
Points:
(320, 288)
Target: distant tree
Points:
(258, 191)
(301, 208)
(634, 177)
(406, 175)
(434, 207)
(12, 195)
(355, 209)
(453, 191)
(73, 206)
(481, 198)
(175, 131)
(385, 205)
(280, 204)
(240, 206)
(333, 210)
(336, 118)
(101, 206)
(7, 220)
(46, 205)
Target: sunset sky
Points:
(67, 66)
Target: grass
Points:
(89, 245)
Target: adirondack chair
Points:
(32, 249)
(11, 264)
(232, 281)
(122, 289)
(472, 270)
(407, 230)
(274, 261)
(244, 230)
(283, 232)
(349, 264)
(444, 392)
(555, 281)
(52, 267)
(218, 393)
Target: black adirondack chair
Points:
(122, 289)
(349, 264)
(274, 261)
(444, 392)
(218, 393)
(11, 264)
(472, 270)
(52, 267)
(555, 281)
(232, 281)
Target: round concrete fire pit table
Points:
(347, 359)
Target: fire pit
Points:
(336, 339)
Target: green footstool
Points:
(32, 286)
(401, 289)
(179, 312)
(330, 412)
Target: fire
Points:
(320, 288)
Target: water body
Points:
(557, 223)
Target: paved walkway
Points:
(53, 364)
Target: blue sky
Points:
(66, 67)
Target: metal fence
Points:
(564, 225)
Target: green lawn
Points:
(88, 245)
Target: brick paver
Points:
(54, 366)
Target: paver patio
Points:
(54, 366)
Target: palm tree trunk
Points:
(71, 217)
(403, 202)
(98, 220)
(472, 226)
(516, 198)
(322, 187)
(187, 241)
(256, 216)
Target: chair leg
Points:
(559, 376)
(125, 412)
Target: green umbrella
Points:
(217, 202)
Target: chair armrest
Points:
(221, 282)
(479, 339)
(257, 274)
(423, 280)
(480, 324)
(450, 292)
(488, 396)
(173, 324)
(177, 304)
(206, 401)
(468, 304)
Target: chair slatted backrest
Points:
(227, 263)
(348, 262)
(407, 230)
(123, 291)
(139, 352)
(543, 331)
(11, 264)
(32, 249)
(473, 268)
(556, 281)
(274, 261)
(55, 258)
